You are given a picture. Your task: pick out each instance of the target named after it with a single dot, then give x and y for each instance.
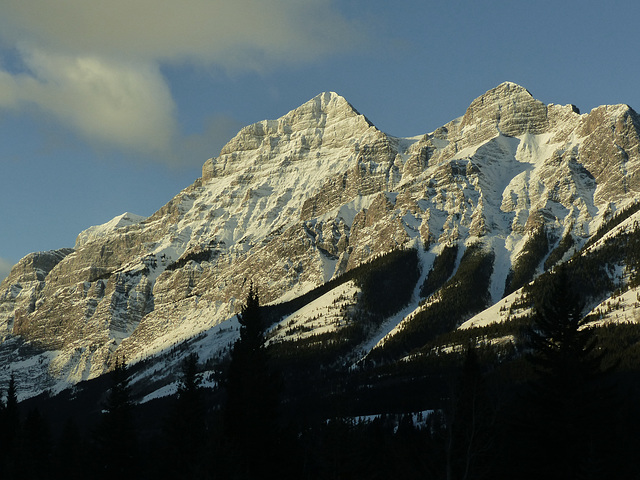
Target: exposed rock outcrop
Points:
(292, 202)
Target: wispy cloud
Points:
(96, 65)
(122, 103)
(230, 33)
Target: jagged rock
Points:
(508, 109)
(290, 203)
(36, 266)
(611, 151)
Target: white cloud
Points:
(5, 268)
(115, 102)
(95, 65)
(229, 33)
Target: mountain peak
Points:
(294, 202)
(94, 232)
(509, 109)
(328, 102)
(327, 119)
(511, 87)
(324, 107)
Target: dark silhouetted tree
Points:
(250, 416)
(9, 432)
(470, 423)
(12, 414)
(186, 426)
(116, 436)
(561, 429)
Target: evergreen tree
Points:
(186, 426)
(560, 431)
(12, 415)
(469, 423)
(10, 432)
(116, 436)
(249, 422)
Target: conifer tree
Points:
(250, 427)
(116, 436)
(560, 422)
(186, 426)
(12, 415)
(9, 431)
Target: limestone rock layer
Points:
(293, 202)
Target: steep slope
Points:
(293, 202)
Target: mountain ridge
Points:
(294, 202)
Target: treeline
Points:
(465, 293)
(525, 266)
(442, 269)
(32, 449)
(555, 398)
(386, 282)
(557, 253)
(594, 272)
(612, 223)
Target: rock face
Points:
(508, 109)
(290, 203)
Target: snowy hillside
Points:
(292, 203)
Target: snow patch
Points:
(98, 231)
(325, 314)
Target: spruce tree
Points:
(249, 421)
(117, 436)
(186, 425)
(560, 426)
(12, 415)
(10, 432)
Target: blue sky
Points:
(107, 107)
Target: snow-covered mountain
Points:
(292, 203)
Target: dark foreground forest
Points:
(564, 403)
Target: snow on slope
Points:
(327, 313)
(98, 231)
(622, 308)
(496, 313)
(164, 365)
(283, 191)
(394, 322)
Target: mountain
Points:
(311, 208)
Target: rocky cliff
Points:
(293, 202)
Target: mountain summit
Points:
(508, 109)
(321, 123)
(311, 197)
